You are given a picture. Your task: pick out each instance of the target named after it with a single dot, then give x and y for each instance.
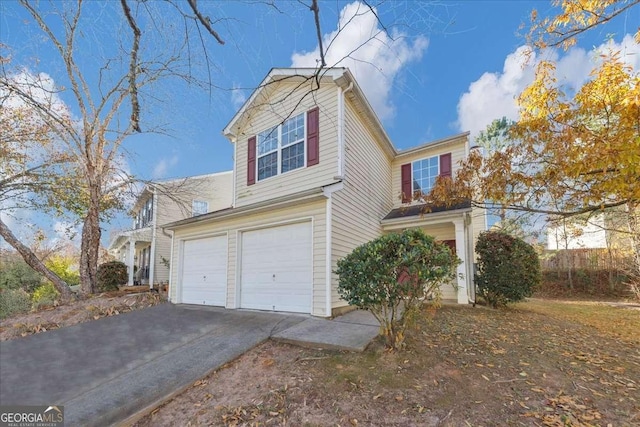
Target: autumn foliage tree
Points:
(571, 152)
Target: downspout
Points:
(329, 259)
(341, 130)
(471, 263)
(152, 255)
(328, 191)
(170, 264)
(170, 283)
(234, 141)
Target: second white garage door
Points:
(276, 272)
(204, 271)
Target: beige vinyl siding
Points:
(478, 224)
(366, 197)
(456, 148)
(309, 211)
(216, 189)
(266, 114)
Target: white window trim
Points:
(437, 157)
(280, 147)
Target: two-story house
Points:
(316, 175)
(146, 247)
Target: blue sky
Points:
(453, 67)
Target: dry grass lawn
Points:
(540, 363)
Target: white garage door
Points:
(204, 271)
(276, 271)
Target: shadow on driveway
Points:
(106, 370)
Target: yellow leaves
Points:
(572, 18)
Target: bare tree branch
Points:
(133, 67)
(204, 20)
(316, 16)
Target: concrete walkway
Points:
(352, 332)
(107, 370)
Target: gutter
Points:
(425, 218)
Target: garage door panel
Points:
(204, 272)
(276, 271)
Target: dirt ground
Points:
(83, 310)
(463, 366)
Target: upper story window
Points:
(281, 148)
(199, 207)
(419, 177)
(424, 174)
(144, 217)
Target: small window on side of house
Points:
(199, 207)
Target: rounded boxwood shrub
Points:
(111, 275)
(508, 268)
(392, 275)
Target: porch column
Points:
(461, 250)
(130, 260)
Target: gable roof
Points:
(341, 76)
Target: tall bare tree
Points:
(108, 88)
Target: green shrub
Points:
(13, 301)
(45, 295)
(18, 275)
(62, 266)
(508, 268)
(111, 275)
(392, 275)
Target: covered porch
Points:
(452, 226)
(134, 248)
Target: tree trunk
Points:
(89, 250)
(32, 261)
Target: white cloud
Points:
(238, 97)
(493, 95)
(163, 166)
(40, 88)
(374, 57)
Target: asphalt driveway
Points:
(106, 370)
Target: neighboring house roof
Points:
(148, 188)
(314, 193)
(423, 209)
(142, 234)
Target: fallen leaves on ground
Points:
(80, 311)
(463, 366)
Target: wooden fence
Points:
(587, 259)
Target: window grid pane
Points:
(293, 130)
(292, 157)
(268, 166)
(425, 172)
(281, 148)
(268, 141)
